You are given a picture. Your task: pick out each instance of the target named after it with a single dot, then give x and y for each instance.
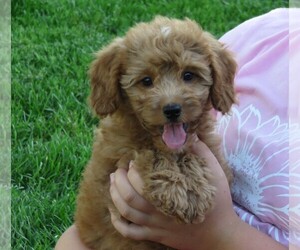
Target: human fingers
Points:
(130, 230)
(125, 209)
(144, 212)
(128, 192)
(135, 179)
(157, 217)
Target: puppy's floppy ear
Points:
(223, 72)
(105, 73)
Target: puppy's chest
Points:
(120, 140)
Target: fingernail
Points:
(112, 177)
(131, 164)
(195, 138)
(113, 217)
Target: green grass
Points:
(52, 127)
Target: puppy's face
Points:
(168, 72)
(167, 84)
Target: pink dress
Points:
(261, 137)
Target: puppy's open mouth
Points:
(174, 135)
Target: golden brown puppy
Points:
(154, 89)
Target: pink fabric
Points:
(257, 135)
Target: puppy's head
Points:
(168, 72)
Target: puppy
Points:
(154, 90)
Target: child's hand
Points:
(149, 224)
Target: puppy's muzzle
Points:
(172, 111)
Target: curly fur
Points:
(176, 182)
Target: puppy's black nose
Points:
(172, 111)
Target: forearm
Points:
(231, 234)
(250, 238)
(245, 237)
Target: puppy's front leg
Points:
(201, 192)
(177, 188)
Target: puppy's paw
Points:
(174, 194)
(201, 193)
(201, 201)
(166, 190)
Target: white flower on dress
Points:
(258, 151)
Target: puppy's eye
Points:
(188, 76)
(147, 81)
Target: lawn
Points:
(52, 127)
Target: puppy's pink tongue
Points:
(174, 135)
